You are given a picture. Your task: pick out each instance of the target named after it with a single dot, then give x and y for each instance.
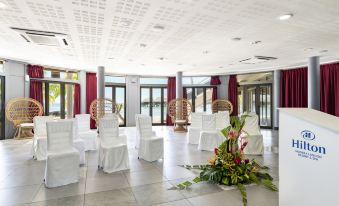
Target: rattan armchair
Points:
(222, 105)
(101, 107)
(179, 110)
(21, 111)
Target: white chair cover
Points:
(137, 138)
(151, 147)
(79, 144)
(113, 152)
(255, 142)
(222, 119)
(85, 133)
(195, 128)
(210, 137)
(39, 146)
(62, 163)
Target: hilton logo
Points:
(306, 148)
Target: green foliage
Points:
(242, 190)
(54, 92)
(228, 166)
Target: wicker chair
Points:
(101, 107)
(21, 111)
(179, 110)
(222, 105)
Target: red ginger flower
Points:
(216, 150)
(232, 134)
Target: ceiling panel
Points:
(160, 37)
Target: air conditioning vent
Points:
(45, 38)
(257, 59)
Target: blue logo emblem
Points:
(308, 135)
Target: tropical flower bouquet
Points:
(229, 166)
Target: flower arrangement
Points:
(228, 165)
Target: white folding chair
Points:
(113, 152)
(195, 128)
(62, 163)
(85, 133)
(254, 138)
(210, 137)
(151, 147)
(39, 146)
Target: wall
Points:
(223, 87)
(82, 82)
(132, 99)
(15, 86)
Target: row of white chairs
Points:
(63, 157)
(205, 131)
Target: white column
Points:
(101, 82)
(276, 97)
(132, 99)
(179, 85)
(82, 82)
(313, 82)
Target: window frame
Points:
(162, 112)
(114, 86)
(204, 93)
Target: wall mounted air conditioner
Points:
(45, 38)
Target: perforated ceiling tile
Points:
(129, 36)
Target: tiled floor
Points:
(21, 178)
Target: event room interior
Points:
(169, 102)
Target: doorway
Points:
(257, 98)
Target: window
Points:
(63, 75)
(152, 80)
(201, 98)
(118, 95)
(58, 99)
(115, 79)
(153, 102)
(196, 80)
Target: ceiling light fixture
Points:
(161, 58)
(236, 39)
(158, 27)
(2, 5)
(143, 45)
(285, 17)
(323, 51)
(256, 42)
(205, 52)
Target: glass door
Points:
(257, 98)
(153, 102)
(2, 107)
(118, 95)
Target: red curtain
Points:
(77, 99)
(293, 88)
(329, 88)
(184, 93)
(215, 80)
(170, 95)
(214, 93)
(91, 93)
(233, 93)
(35, 87)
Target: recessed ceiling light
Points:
(2, 5)
(142, 64)
(205, 52)
(323, 51)
(143, 45)
(110, 58)
(161, 58)
(158, 27)
(221, 67)
(236, 39)
(179, 64)
(130, 60)
(285, 17)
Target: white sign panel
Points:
(308, 158)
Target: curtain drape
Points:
(91, 93)
(184, 93)
(170, 96)
(329, 88)
(214, 93)
(77, 99)
(233, 93)
(215, 80)
(293, 88)
(35, 87)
